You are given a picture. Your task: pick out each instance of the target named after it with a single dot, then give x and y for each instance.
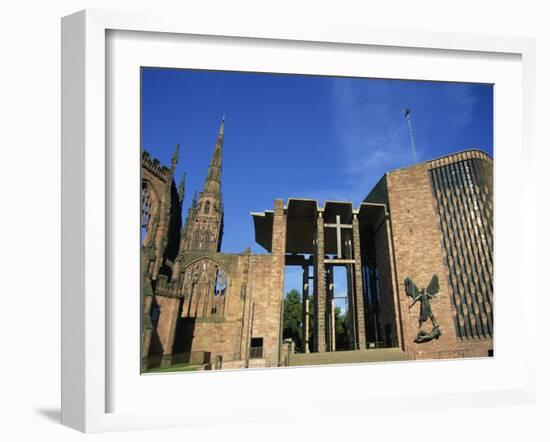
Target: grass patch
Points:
(173, 368)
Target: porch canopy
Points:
(301, 216)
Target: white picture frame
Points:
(85, 307)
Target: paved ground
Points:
(346, 357)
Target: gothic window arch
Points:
(148, 208)
(220, 286)
(207, 293)
(207, 207)
(196, 240)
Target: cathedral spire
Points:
(204, 227)
(212, 184)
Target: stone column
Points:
(161, 239)
(245, 297)
(320, 282)
(167, 328)
(147, 332)
(361, 333)
(274, 342)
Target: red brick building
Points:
(440, 222)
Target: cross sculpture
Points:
(339, 227)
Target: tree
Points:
(292, 317)
(341, 328)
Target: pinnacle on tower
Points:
(212, 184)
(175, 155)
(175, 158)
(181, 187)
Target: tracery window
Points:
(207, 207)
(221, 283)
(196, 240)
(146, 211)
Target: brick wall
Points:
(252, 305)
(389, 307)
(266, 277)
(418, 254)
(266, 292)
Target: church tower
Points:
(204, 227)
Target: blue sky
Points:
(327, 138)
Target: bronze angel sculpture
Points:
(424, 296)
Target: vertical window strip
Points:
(447, 223)
(454, 203)
(486, 212)
(481, 168)
(435, 181)
(483, 262)
(485, 224)
(469, 236)
(440, 180)
(457, 246)
(444, 222)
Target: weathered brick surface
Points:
(357, 273)
(167, 323)
(253, 305)
(419, 254)
(277, 277)
(266, 297)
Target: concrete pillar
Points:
(305, 319)
(360, 305)
(320, 282)
(352, 311)
(394, 286)
(331, 334)
(306, 326)
(332, 326)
